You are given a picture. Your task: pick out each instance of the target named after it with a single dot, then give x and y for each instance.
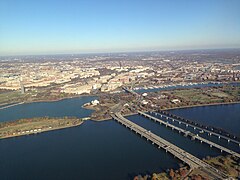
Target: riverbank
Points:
(166, 109)
(24, 127)
(5, 106)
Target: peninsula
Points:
(36, 125)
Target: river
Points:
(96, 150)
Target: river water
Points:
(97, 150)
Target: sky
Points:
(84, 26)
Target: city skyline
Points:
(58, 27)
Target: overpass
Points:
(192, 135)
(192, 161)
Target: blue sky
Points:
(82, 26)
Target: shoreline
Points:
(5, 106)
(42, 131)
(166, 109)
(8, 105)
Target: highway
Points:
(181, 154)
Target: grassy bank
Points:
(35, 125)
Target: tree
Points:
(171, 173)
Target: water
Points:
(97, 150)
(94, 150)
(66, 107)
(186, 87)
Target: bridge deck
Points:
(201, 129)
(187, 133)
(184, 156)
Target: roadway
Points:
(192, 161)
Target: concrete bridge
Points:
(190, 134)
(181, 154)
(210, 133)
(189, 124)
(131, 91)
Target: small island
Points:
(36, 125)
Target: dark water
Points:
(66, 107)
(95, 150)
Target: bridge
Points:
(188, 124)
(192, 161)
(192, 135)
(131, 91)
(198, 128)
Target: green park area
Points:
(35, 125)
